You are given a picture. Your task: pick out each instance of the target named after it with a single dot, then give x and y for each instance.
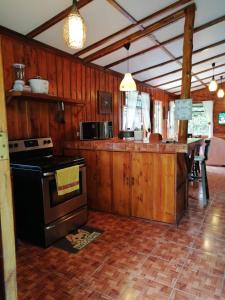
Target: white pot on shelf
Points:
(39, 85)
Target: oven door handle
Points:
(47, 174)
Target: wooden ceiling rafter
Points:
(178, 70)
(188, 10)
(169, 61)
(173, 39)
(218, 74)
(54, 20)
(194, 52)
(136, 35)
(148, 18)
(174, 80)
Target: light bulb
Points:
(213, 85)
(128, 84)
(220, 93)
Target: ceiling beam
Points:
(175, 87)
(155, 14)
(174, 80)
(59, 17)
(197, 29)
(137, 35)
(171, 60)
(178, 70)
(194, 52)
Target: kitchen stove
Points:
(42, 217)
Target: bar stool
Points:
(199, 164)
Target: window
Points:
(136, 111)
(201, 123)
(158, 116)
(172, 124)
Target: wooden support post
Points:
(8, 286)
(187, 64)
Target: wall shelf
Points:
(40, 98)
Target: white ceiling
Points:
(103, 19)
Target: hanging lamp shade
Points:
(220, 93)
(213, 84)
(74, 31)
(128, 84)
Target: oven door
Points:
(58, 206)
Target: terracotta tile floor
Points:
(136, 259)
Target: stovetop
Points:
(46, 163)
(37, 154)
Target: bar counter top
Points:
(116, 144)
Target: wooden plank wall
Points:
(219, 106)
(67, 78)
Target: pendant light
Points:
(128, 84)
(213, 84)
(220, 93)
(74, 31)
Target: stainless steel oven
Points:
(42, 216)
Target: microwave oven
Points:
(96, 130)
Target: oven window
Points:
(55, 199)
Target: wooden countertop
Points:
(116, 144)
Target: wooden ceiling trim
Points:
(174, 80)
(59, 17)
(155, 14)
(197, 29)
(218, 74)
(176, 58)
(137, 35)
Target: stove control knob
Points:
(15, 145)
(49, 142)
(45, 142)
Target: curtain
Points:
(158, 116)
(172, 125)
(131, 109)
(208, 107)
(146, 110)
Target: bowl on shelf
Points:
(39, 85)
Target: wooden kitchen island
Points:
(135, 178)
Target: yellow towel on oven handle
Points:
(67, 180)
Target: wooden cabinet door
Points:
(103, 199)
(163, 187)
(141, 189)
(90, 158)
(121, 183)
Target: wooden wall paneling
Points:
(88, 93)
(52, 108)
(121, 183)
(102, 88)
(8, 60)
(83, 92)
(44, 111)
(115, 106)
(33, 107)
(67, 94)
(93, 98)
(110, 89)
(21, 106)
(73, 108)
(97, 87)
